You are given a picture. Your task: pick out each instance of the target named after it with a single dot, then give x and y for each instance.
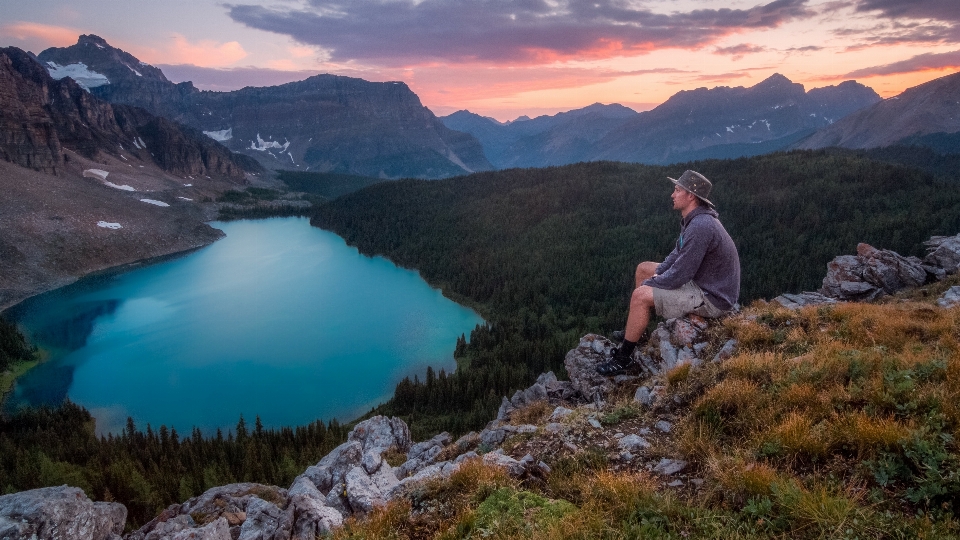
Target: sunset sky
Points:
(505, 58)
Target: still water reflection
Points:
(278, 319)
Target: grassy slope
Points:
(837, 422)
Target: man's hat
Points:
(695, 183)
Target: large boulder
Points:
(59, 513)
(266, 521)
(311, 515)
(871, 273)
(230, 502)
(944, 253)
(581, 364)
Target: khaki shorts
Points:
(673, 303)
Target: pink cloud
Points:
(49, 35)
(203, 53)
(516, 32)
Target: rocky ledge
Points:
(379, 462)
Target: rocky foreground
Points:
(380, 463)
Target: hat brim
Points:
(677, 183)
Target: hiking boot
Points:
(616, 365)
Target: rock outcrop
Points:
(59, 513)
(873, 273)
(356, 477)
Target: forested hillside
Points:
(547, 255)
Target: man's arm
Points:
(668, 262)
(684, 266)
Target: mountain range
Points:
(908, 118)
(722, 122)
(324, 123)
(87, 185)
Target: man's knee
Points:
(646, 270)
(642, 297)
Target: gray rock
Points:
(560, 413)
(676, 483)
(499, 459)
(553, 427)
(312, 517)
(371, 461)
(633, 443)
(547, 378)
(727, 351)
(537, 392)
(365, 492)
(229, 502)
(265, 521)
(594, 422)
(492, 438)
(581, 364)
(950, 298)
(337, 499)
(668, 353)
(219, 529)
(686, 330)
(517, 399)
(382, 433)
(944, 253)
(687, 356)
(59, 513)
(871, 273)
(642, 396)
(668, 467)
(503, 413)
(797, 301)
(334, 466)
(663, 426)
(167, 529)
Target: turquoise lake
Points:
(279, 319)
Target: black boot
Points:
(617, 364)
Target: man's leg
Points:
(645, 271)
(641, 302)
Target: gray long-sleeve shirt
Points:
(706, 254)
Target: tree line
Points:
(547, 255)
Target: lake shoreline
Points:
(243, 286)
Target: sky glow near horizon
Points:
(506, 58)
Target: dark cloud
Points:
(941, 10)
(808, 48)
(738, 51)
(392, 32)
(920, 62)
(907, 21)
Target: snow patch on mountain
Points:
(80, 73)
(262, 145)
(154, 202)
(108, 225)
(222, 135)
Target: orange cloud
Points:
(49, 35)
(203, 53)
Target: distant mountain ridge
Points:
(323, 123)
(706, 122)
(542, 141)
(929, 108)
(721, 122)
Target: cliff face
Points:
(28, 135)
(40, 116)
(323, 123)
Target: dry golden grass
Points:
(534, 413)
(678, 375)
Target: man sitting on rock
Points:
(701, 275)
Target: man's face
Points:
(681, 198)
